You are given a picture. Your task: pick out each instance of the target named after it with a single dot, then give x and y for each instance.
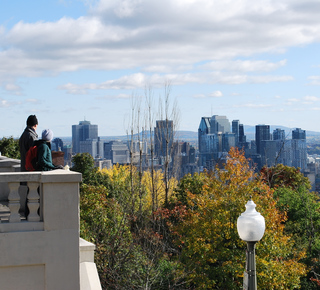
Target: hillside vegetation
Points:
(192, 241)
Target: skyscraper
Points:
(242, 137)
(262, 134)
(299, 148)
(235, 131)
(298, 134)
(203, 131)
(278, 134)
(219, 124)
(283, 147)
(83, 132)
(163, 137)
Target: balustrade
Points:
(33, 202)
(29, 191)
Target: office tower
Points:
(89, 146)
(92, 146)
(192, 155)
(269, 152)
(298, 134)
(163, 137)
(283, 148)
(203, 131)
(299, 148)
(235, 131)
(215, 139)
(242, 137)
(228, 141)
(219, 124)
(262, 134)
(58, 144)
(278, 134)
(117, 152)
(83, 132)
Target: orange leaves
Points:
(208, 236)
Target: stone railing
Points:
(42, 250)
(9, 164)
(29, 191)
(39, 231)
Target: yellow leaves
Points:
(209, 233)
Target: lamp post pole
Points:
(251, 226)
(251, 266)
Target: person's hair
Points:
(32, 121)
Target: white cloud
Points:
(199, 96)
(140, 80)
(311, 99)
(293, 100)
(244, 65)
(118, 96)
(315, 80)
(252, 105)
(216, 94)
(33, 101)
(4, 103)
(13, 88)
(125, 34)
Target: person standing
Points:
(27, 138)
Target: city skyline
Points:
(74, 60)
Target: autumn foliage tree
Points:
(206, 233)
(191, 242)
(293, 197)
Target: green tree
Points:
(206, 233)
(284, 176)
(303, 215)
(9, 147)
(84, 163)
(130, 253)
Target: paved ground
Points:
(4, 212)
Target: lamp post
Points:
(251, 226)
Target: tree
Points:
(303, 215)
(130, 253)
(284, 176)
(84, 163)
(206, 234)
(9, 147)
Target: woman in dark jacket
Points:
(44, 152)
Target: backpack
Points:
(31, 158)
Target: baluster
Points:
(14, 202)
(33, 202)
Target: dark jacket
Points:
(26, 140)
(44, 156)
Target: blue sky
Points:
(70, 60)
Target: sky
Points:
(101, 60)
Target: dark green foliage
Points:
(9, 147)
(84, 163)
(188, 183)
(303, 215)
(303, 223)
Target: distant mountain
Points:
(250, 131)
(192, 137)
